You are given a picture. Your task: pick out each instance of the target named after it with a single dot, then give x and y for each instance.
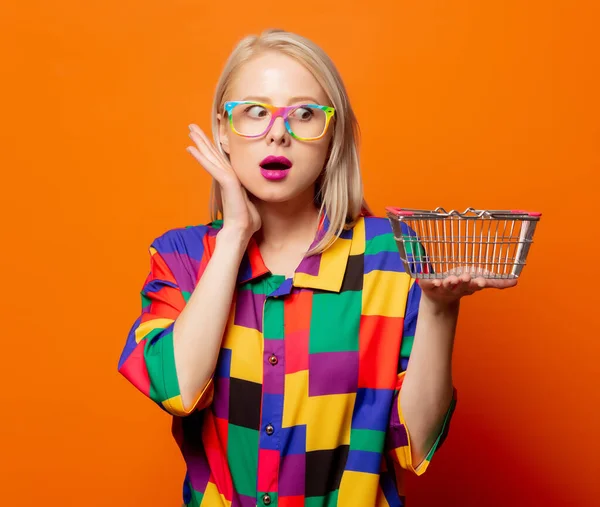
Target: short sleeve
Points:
(148, 359)
(398, 437)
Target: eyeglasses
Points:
(304, 122)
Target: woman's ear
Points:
(223, 133)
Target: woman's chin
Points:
(273, 196)
(276, 194)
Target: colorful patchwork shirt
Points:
(303, 407)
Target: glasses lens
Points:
(253, 120)
(250, 119)
(307, 121)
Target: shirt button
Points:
(266, 499)
(269, 429)
(273, 359)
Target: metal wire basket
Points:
(486, 243)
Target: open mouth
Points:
(273, 163)
(275, 166)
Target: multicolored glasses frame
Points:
(276, 112)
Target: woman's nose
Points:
(278, 132)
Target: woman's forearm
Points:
(426, 392)
(198, 330)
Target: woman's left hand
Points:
(452, 288)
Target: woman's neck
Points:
(288, 224)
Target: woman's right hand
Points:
(239, 214)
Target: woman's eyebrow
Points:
(267, 100)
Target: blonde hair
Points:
(339, 190)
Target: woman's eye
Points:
(302, 113)
(256, 111)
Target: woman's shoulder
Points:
(376, 227)
(184, 250)
(188, 239)
(381, 226)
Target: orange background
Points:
(493, 105)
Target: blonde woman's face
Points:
(279, 80)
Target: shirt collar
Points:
(323, 271)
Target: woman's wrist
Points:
(233, 238)
(439, 308)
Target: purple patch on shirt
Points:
(332, 373)
(221, 397)
(396, 435)
(292, 473)
(273, 373)
(181, 267)
(249, 310)
(197, 466)
(310, 265)
(243, 501)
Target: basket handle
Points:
(399, 211)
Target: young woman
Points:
(283, 336)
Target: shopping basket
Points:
(486, 243)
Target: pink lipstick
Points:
(275, 168)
